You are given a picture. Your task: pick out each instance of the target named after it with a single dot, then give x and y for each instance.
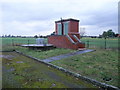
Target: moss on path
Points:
(22, 72)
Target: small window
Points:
(59, 28)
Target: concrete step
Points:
(80, 49)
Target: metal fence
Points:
(102, 43)
(89, 43)
(19, 41)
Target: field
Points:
(101, 64)
(100, 42)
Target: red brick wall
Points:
(56, 28)
(61, 41)
(74, 26)
(81, 45)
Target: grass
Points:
(10, 41)
(100, 42)
(44, 54)
(100, 65)
(7, 45)
(93, 42)
(29, 73)
(0, 72)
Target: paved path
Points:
(66, 55)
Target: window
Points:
(66, 28)
(59, 28)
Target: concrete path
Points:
(66, 55)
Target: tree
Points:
(53, 33)
(104, 34)
(109, 33)
(35, 36)
(9, 35)
(41, 36)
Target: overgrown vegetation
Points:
(44, 54)
(101, 65)
(22, 72)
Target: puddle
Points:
(19, 62)
(11, 69)
(9, 57)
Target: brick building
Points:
(66, 34)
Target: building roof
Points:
(118, 35)
(70, 19)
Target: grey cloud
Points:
(22, 12)
(105, 16)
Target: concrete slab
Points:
(36, 45)
(66, 55)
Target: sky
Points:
(37, 17)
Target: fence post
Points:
(12, 42)
(88, 44)
(105, 42)
(28, 42)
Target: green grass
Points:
(93, 42)
(100, 42)
(33, 74)
(10, 41)
(7, 45)
(0, 72)
(97, 65)
(44, 54)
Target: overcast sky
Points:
(37, 17)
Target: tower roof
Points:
(70, 19)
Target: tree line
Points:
(109, 33)
(105, 34)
